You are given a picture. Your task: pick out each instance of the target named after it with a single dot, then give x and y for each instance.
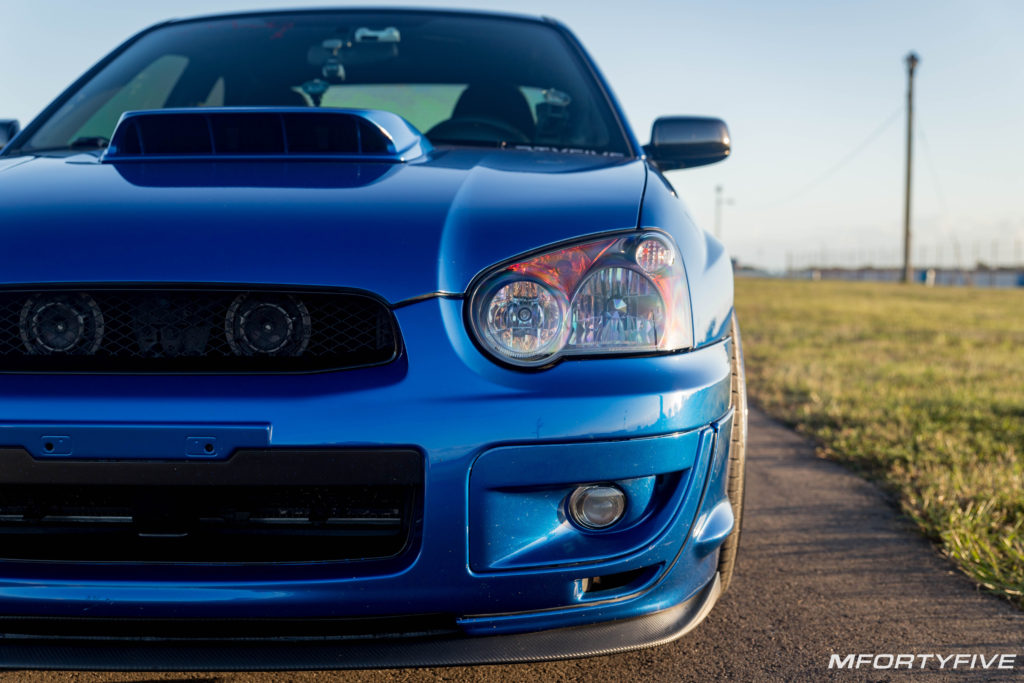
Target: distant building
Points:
(980, 276)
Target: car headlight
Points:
(617, 295)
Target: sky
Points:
(813, 93)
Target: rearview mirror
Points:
(8, 129)
(687, 141)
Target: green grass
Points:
(921, 389)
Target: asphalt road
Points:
(826, 566)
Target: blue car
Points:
(337, 339)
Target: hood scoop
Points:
(284, 133)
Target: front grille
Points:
(195, 524)
(259, 506)
(192, 331)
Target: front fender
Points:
(709, 270)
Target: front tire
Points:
(737, 459)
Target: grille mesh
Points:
(192, 331)
(204, 523)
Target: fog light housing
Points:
(597, 507)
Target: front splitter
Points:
(99, 653)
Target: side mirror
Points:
(687, 141)
(8, 129)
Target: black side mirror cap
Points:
(8, 129)
(687, 141)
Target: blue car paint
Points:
(516, 499)
(139, 440)
(687, 566)
(573, 402)
(708, 269)
(426, 229)
(429, 226)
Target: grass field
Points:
(921, 389)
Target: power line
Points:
(936, 186)
(825, 175)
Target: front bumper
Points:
(499, 447)
(20, 652)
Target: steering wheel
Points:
(477, 129)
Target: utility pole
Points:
(908, 271)
(719, 201)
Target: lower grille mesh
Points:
(257, 506)
(203, 524)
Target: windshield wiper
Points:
(459, 142)
(527, 147)
(93, 142)
(89, 143)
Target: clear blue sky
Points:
(801, 84)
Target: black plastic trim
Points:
(351, 651)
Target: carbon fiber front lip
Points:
(21, 652)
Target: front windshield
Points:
(460, 79)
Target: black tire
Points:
(737, 460)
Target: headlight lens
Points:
(616, 309)
(615, 295)
(523, 319)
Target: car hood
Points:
(399, 230)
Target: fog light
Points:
(597, 507)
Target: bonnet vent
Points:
(267, 133)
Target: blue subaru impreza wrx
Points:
(358, 338)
